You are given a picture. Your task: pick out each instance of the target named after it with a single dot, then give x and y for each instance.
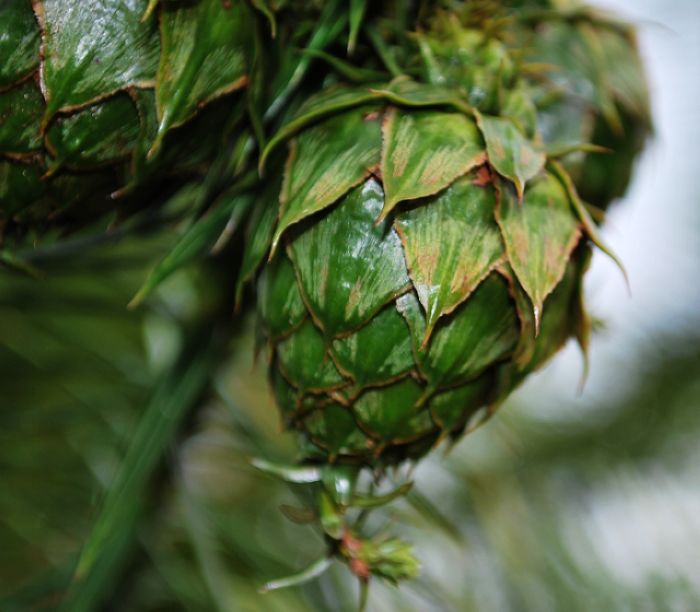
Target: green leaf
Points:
(150, 9)
(377, 353)
(333, 428)
(310, 573)
(403, 91)
(390, 413)
(91, 51)
(559, 323)
(539, 235)
(452, 409)
(451, 244)
(198, 240)
(256, 93)
(305, 474)
(258, 236)
(331, 516)
(510, 153)
(98, 135)
(114, 527)
(21, 111)
(432, 69)
(349, 72)
(364, 596)
(433, 515)
(326, 30)
(339, 481)
(208, 555)
(304, 361)
(348, 266)
(478, 334)
(584, 216)
(203, 57)
(376, 501)
(324, 163)
(525, 349)
(426, 151)
(327, 102)
(357, 12)
(384, 52)
(264, 8)
(19, 42)
(560, 317)
(559, 151)
(279, 300)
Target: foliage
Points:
(418, 250)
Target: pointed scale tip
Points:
(584, 147)
(381, 218)
(430, 327)
(424, 398)
(389, 205)
(537, 312)
(155, 147)
(152, 4)
(164, 126)
(138, 299)
(122, 191)
(273, 246)
(52, 170)
(596, 149)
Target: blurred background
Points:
(564, 501)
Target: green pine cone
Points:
(91, 107)
(418, 251)
(429, 247)
(409, 289)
